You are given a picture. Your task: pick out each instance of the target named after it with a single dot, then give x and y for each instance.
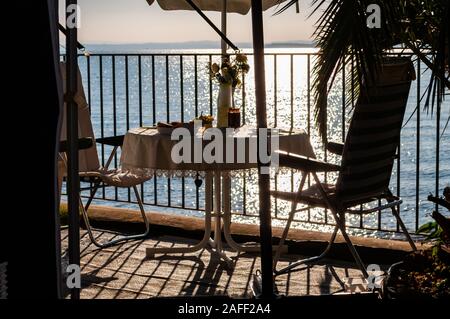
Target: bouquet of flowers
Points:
(231, 70)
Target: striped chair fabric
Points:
(374, 134)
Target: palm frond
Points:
(345, 41)
(286, 6)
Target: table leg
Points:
(226, 190)
(227, 219)
(217, 211)
(217, 242)
(151, 252)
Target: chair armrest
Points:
(335, 147)
(83, 143)
(305, 164)
(112, 140)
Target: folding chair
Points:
(90, 170)
(367, 160)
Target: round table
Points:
(147, 151)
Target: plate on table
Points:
(165, 130)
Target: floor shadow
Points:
(325, 284)
(206, 279)
(88, 280)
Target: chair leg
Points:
(400, 222)
(404, 229)
(122, 238)
(340, 223)
(91, 197)
(288, 225)
(290, 268)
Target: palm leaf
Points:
(345, 41)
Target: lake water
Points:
(287, 92)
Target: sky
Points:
(134, 21)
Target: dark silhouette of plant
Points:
(344, 40)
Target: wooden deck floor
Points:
(124, 271)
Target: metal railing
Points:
(129, 90)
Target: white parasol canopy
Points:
(236, 6)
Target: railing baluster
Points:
(140, 88)
(169, 197)
(398, 177)
(127, 93)
(210, 88)
(88, 71)
(275, 118)
(183, 182)
(127, 105)
(113, 62)
(102, 120)
(343, 101)
(197, 195)
(418, 92)
(196, 85)
(438, 149)
(244, 195)
(275, 90)
(153, 90)
(243, 99)
(167, 90)
(308, 116)
(292, 90)
(155, 177)
(140, 107)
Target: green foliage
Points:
(433, 233)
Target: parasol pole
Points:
(265, 224)
(224, 45)
(212, 25)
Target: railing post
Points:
(418, 145)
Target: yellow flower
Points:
(241, 58)
(215, 67)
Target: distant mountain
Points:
(137, 47)
(291, 44)
(153, 46)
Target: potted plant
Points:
(344, 40)
(424, 273)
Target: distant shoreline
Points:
(198, 45)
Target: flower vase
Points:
(224, 102)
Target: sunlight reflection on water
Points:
(284, 92)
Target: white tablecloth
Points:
(147, 149)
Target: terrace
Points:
(335, 187)
(126, 90)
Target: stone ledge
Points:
(372, 250)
